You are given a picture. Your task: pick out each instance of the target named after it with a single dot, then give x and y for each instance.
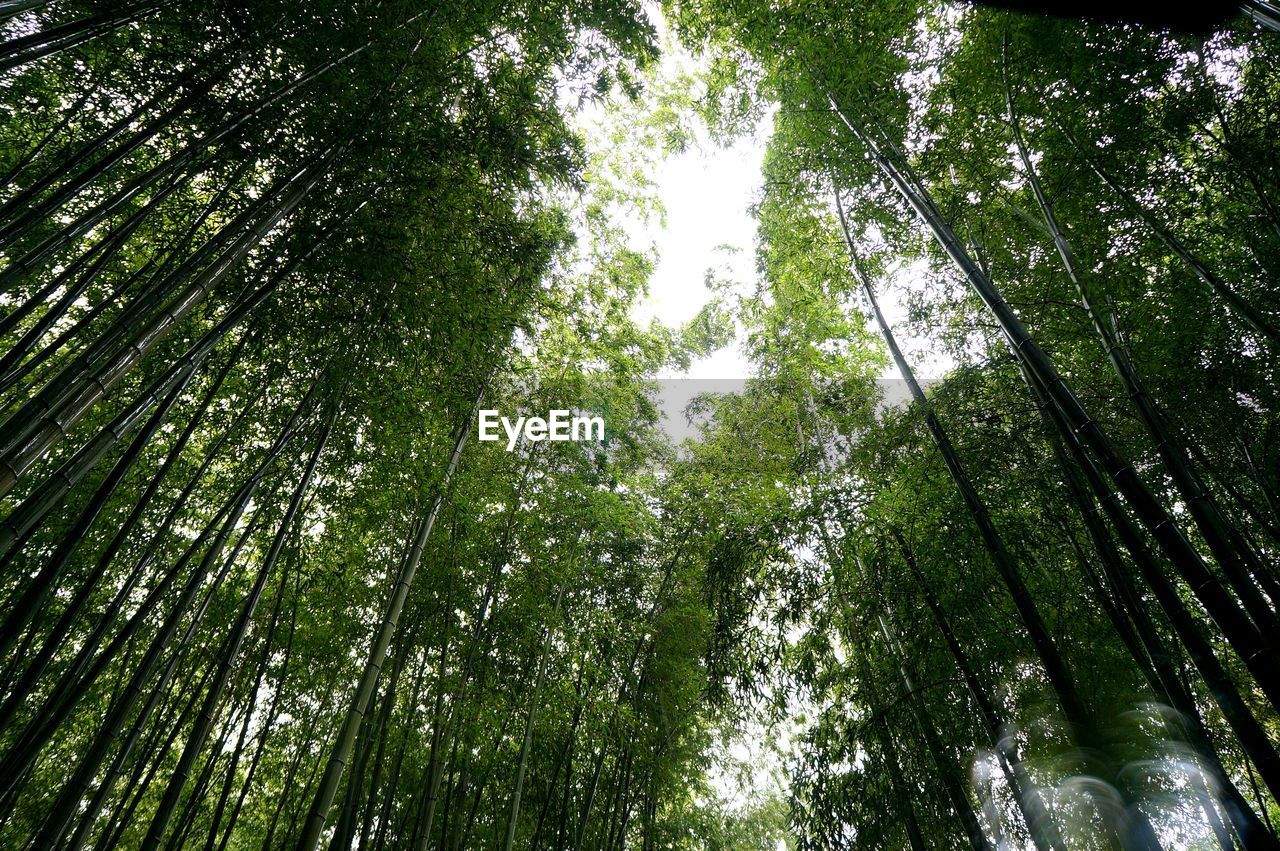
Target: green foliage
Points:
(236, 237)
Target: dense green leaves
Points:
(264, 588)
(912, 114)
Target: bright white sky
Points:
(706, 191)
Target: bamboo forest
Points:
(344, 505)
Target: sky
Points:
(707, 191)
